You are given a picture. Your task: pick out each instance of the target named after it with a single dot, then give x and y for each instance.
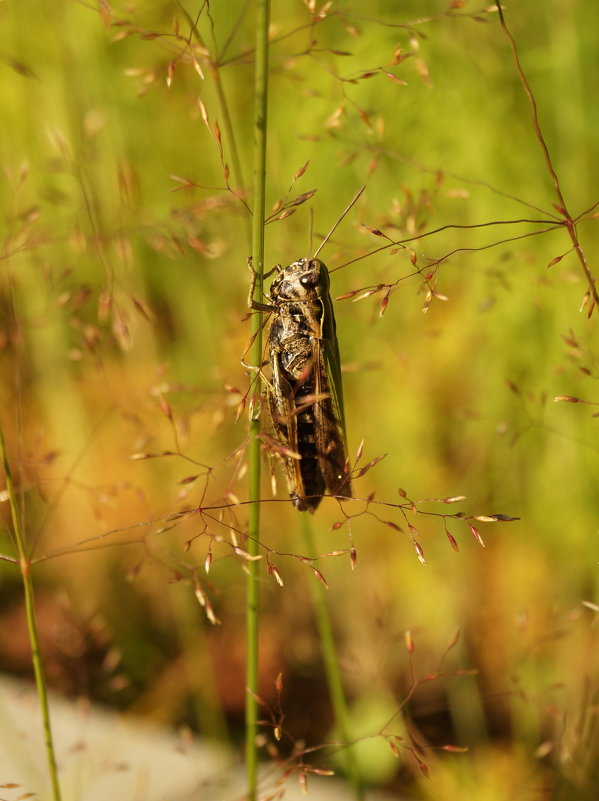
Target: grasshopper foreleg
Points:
(254, 304)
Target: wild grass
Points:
(261, 72)
(123, 295)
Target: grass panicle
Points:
(127, 225)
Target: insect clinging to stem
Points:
(305, 393)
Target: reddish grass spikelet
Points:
(374, 231)
(144, 309)
(353, 557)
(360, 451)
(187, 480)
(319, 576)
(367, 293)
(199, 594)
(169, 74)
(556, 260)
(567, 399)
(399, 55)
(394, 749)
(365, 117)
(217, 135)
(591, 308)
(303, 782)
(302, 198)
(419, 552)
(240, 408)
(198, 67)
(186, 183)
(346, 295)
(424, 769)
(384, 304)
(301, 171)
(273, 571)
(585, 300)
(476, 534)
(204, 113)
(394, 78)
(452, 541)
(455, 749)
(370, 465)
(245, 555)
(279, 683)
(409, 641)
(210, 614)
(392, 525)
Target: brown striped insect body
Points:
(305, 399)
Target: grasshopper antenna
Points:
(333, 229)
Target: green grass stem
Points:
(25, 567)
(252, 598)
(329, 655)
(223, 105)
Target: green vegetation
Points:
(128, 150)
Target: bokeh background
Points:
(126, 150)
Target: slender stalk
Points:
(252, 599)
(223, 105)
(329, 655)
(568, 219)
(36, 655)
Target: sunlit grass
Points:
(123, 297)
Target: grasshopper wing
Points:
(329, 412)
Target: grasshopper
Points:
(305, 393)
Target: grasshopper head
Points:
(304, 279)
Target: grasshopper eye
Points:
(310, 279)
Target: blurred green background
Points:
(123, 295)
